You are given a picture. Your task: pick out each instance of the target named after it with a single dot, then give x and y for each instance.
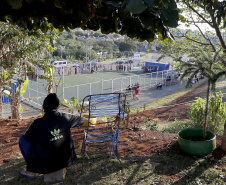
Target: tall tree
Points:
(19, 56)
(201, 30)
(208, 64)
(210, 12)
(208, 17)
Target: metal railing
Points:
(36, 89)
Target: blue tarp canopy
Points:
(155, 66)
(5, 99)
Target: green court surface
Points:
(81, 85)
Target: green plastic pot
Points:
(196, 147)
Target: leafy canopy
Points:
(140, 19)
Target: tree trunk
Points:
(50, 86)
(15, 104)
(206, 110)
(223, 144)
(1, 104)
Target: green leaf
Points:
(146, 19)
(112, 119)
(160, 37)
(58, 4)
(168, 40)
(105, 118)
(173, 5)
(75, 102)
(56, 30)
(24, 87)
(150, 3)
(135, 6)
(170, 17)
(16, 4)
(115, 4)
(4, 72)
(182, 18)
(65, 101)
(21, 109)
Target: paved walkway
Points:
(146, 96)
(151, 94)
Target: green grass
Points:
(155, 169)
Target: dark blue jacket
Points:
(52, 146)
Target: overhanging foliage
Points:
(140, 19)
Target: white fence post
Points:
(29, 88)
(156, 77)
(112, 86)
(78, 92)
(121, 83)
(90, 88)
(102, 86)
(144, 80)
(63, 80)
(151, 79)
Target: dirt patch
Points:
(138, 142)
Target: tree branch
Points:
(183, 35)
(211, 44)
(214, 24)
(218, 32)
(203, 18)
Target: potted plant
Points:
(196, 140)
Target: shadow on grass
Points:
(159, 168)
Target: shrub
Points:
(197, 112)
(178, 125)
(151, 125)
(216, 113)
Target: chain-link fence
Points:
(36, 90)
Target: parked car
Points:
(75, 65)
(60, 63)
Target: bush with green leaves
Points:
(216, 113)
(151, 125)
(178, 125)
(197, 112)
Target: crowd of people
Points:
(83, 68)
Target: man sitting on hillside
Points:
(47, 146)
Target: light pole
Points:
(86, 49)
(87, 46)
(62, 47)
(90, 48)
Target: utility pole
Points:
(62, 47)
